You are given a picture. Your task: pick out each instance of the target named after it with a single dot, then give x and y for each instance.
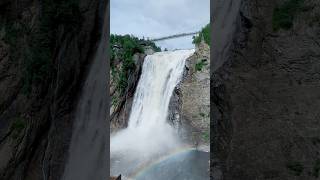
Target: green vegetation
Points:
(284, 15)
(35, 58)
(315, 140)
(38, 63)
(316, 169)
(129, 46)
(57, 13)
(114, 100)
(123, 48)
(56, 16)
(151, 44)
(206, 136)
(202, 114)
(295, 167)
(12, 32)
(315, 20)
(205, 33)
(17, 126)
(200, 65)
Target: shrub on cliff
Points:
(205, 34)
(199, 65)
(123, 47)
(295, 167)
(35, 45)
(316, 169)
(284, 15)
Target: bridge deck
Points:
(174, 36)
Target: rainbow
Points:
(148, 166)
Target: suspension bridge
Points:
(172, 36)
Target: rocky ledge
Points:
(189, 108)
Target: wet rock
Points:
(116, 178)
(36, 127)
(264, 93)
(189, 106)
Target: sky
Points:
(158, 18)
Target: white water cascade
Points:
(148, 135)
(88, 151)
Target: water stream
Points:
(88, 152)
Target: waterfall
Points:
(88, 152)
(148, 134)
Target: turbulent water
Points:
(148, 135)
(186, 165)
(89, 149)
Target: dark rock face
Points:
(265, 94)
(174, 110)
(120, 111)
(35, 128)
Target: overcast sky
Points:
(157, 18)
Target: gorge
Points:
(161, 72)
(157, 131)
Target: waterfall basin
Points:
(187, 165)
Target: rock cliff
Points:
(122, 102)
(265, 89)
(189, 108)
(127, 56)
(46, 48)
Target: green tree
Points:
(205, 34)
(123, 47)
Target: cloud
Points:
(151, 18)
